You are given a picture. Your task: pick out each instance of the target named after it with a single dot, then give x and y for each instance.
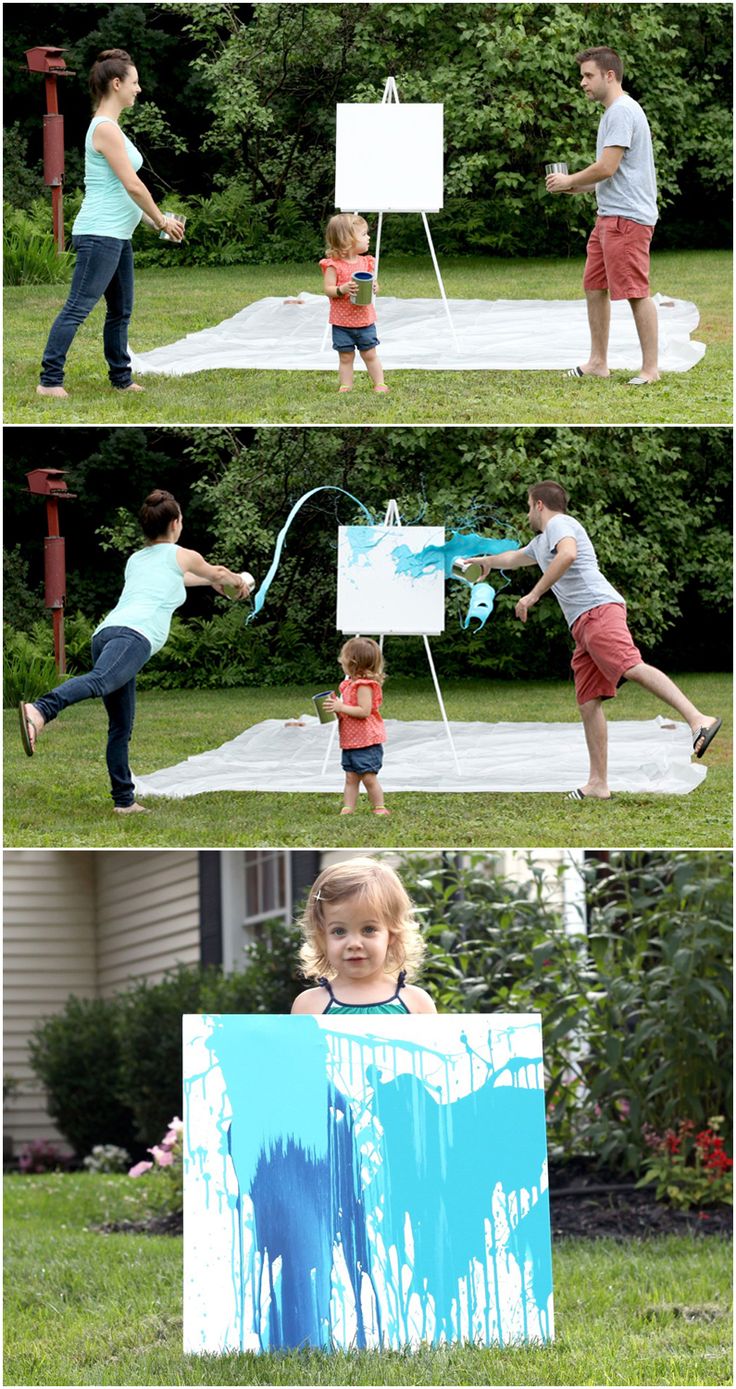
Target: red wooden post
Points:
(49, 484)
(49, 62)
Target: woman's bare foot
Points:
(134, 809)
(57, 391)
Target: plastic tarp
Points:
(651, 756)
(277, 334)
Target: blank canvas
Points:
(374, 1181)
(376, 590)
(389, 157)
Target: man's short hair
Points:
(551, 494)
(604, 58)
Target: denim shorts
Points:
(347, 339)
(362, 760)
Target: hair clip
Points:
(318, 895)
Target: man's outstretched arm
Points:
(566, 555)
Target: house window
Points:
(256, 887)
(267, 885)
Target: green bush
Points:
(150, 1040)
(29, 669)
(636, 1017)
(77, 1056)
(29, 253)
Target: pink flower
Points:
(163, 1157)
(140, 1168)
(623, 1107)
(177, 1124)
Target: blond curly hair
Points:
(384, 892)
(341, 232)
(363, 658)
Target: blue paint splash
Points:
(260, 597)
(386, 1198)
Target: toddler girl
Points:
(361, 942)
(362, 730)
(353, 325)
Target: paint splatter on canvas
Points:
(364, 1182)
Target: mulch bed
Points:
(585, 1202)
(590, 1203)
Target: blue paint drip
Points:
(301, 1165)
(260, 597)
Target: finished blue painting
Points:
(364, 1182)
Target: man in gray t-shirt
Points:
(595, 611)
(625, 183)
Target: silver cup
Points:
(178, 217)
(556, 168)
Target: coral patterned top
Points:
(361, 733)
(342, 312)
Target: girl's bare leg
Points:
(373, 366)
(374, 789)
(345, 370)
(350, 791)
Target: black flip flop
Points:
(707, 734)
(27, 741)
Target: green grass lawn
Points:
(86, 1308)
(60, 796)
(171, 303)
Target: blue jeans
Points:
(104, 266)
(118, 653)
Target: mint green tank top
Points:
(107, 210)
(389, 1005)
(154, 588)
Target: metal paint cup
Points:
(556, 168)
(365, 288)
(472, 573)
(324, 715)
(248, 582)
(177, 217)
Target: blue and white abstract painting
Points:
(364, 1182)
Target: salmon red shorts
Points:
(604, 651)
(618, 258)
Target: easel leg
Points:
(439, 281)
(333, 730)
(441, 703)
(378, 241)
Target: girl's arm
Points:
(197, 572)
(311, 1001)
(331, 289)
(361, 710)
(108, 139)
(417, 1000)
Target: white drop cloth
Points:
(494, 335)
(643, 756)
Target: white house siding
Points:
(147, 915)
(49, 952)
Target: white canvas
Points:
(364, 1182)
(389, 157)
(373, 597)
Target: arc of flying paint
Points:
(482, 597)
(260, 597)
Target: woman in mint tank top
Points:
(115, 199)
(361, 943)
(156, 580)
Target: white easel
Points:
(390, 93)
(392, 518)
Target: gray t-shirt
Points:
(582, 586)
(632, 191)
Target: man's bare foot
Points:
(134, 809)
(704, 730)
(643, 378)
(590, 369)
(589, 793)
(132, 387)
(57, 391)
